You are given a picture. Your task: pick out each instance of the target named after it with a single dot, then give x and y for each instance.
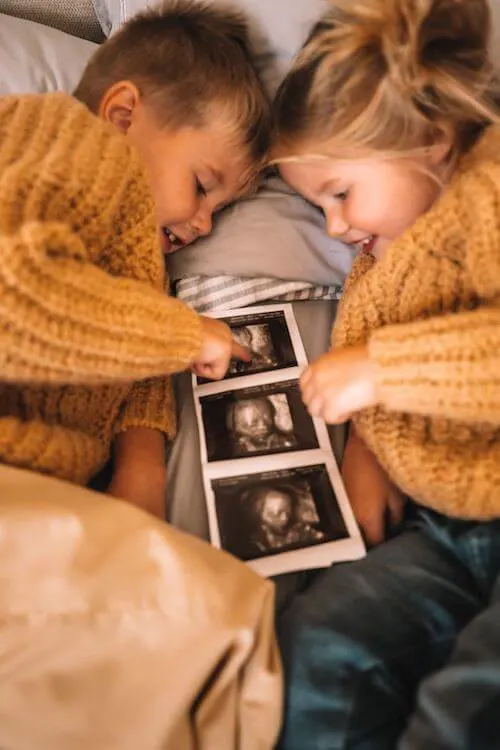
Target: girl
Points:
(387, 121)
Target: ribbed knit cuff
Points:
(150, 404)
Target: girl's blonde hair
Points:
(389, 76)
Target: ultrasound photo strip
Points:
(272, 335)
(294, 516)
(274, 494)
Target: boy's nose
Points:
(336, 225)
(203, 223)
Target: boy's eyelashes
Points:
(201, 190)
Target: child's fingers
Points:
(308, 385)
(308, 393)
(240, 352)
(316, 379)
(210, 371)
(306, 377)
(315, 406)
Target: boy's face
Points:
(192, 173)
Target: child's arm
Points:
(63, 320)
(140, 475)
(148, 417)
(445, 366)
(377, 503)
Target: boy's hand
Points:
(376, 501)
(140, 474)
(217, 349)
(338, 384)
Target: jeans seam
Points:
(376, 665)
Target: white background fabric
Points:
(280, 26)
(36, 58)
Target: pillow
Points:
(36, 58)
(274, 234)
(280, 26)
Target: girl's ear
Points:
(438, 152)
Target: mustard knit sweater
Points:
(83, 311)
(430, 313)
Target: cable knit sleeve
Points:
(64, 320)
(449, 364)
(446, 366)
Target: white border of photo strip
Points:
(310, 557)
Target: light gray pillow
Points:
(36, 58)
(279, 26)
(274, 234)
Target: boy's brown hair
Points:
(188, 58)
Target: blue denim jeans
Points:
(400, 649)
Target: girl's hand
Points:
(338, 384)
(377, 503)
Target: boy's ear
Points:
(119, 103)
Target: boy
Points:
(82, 309)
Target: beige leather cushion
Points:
(119, 632)
(76, 17)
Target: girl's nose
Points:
(336, 225)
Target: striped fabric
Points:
(214, 293)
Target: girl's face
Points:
(367, 202)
